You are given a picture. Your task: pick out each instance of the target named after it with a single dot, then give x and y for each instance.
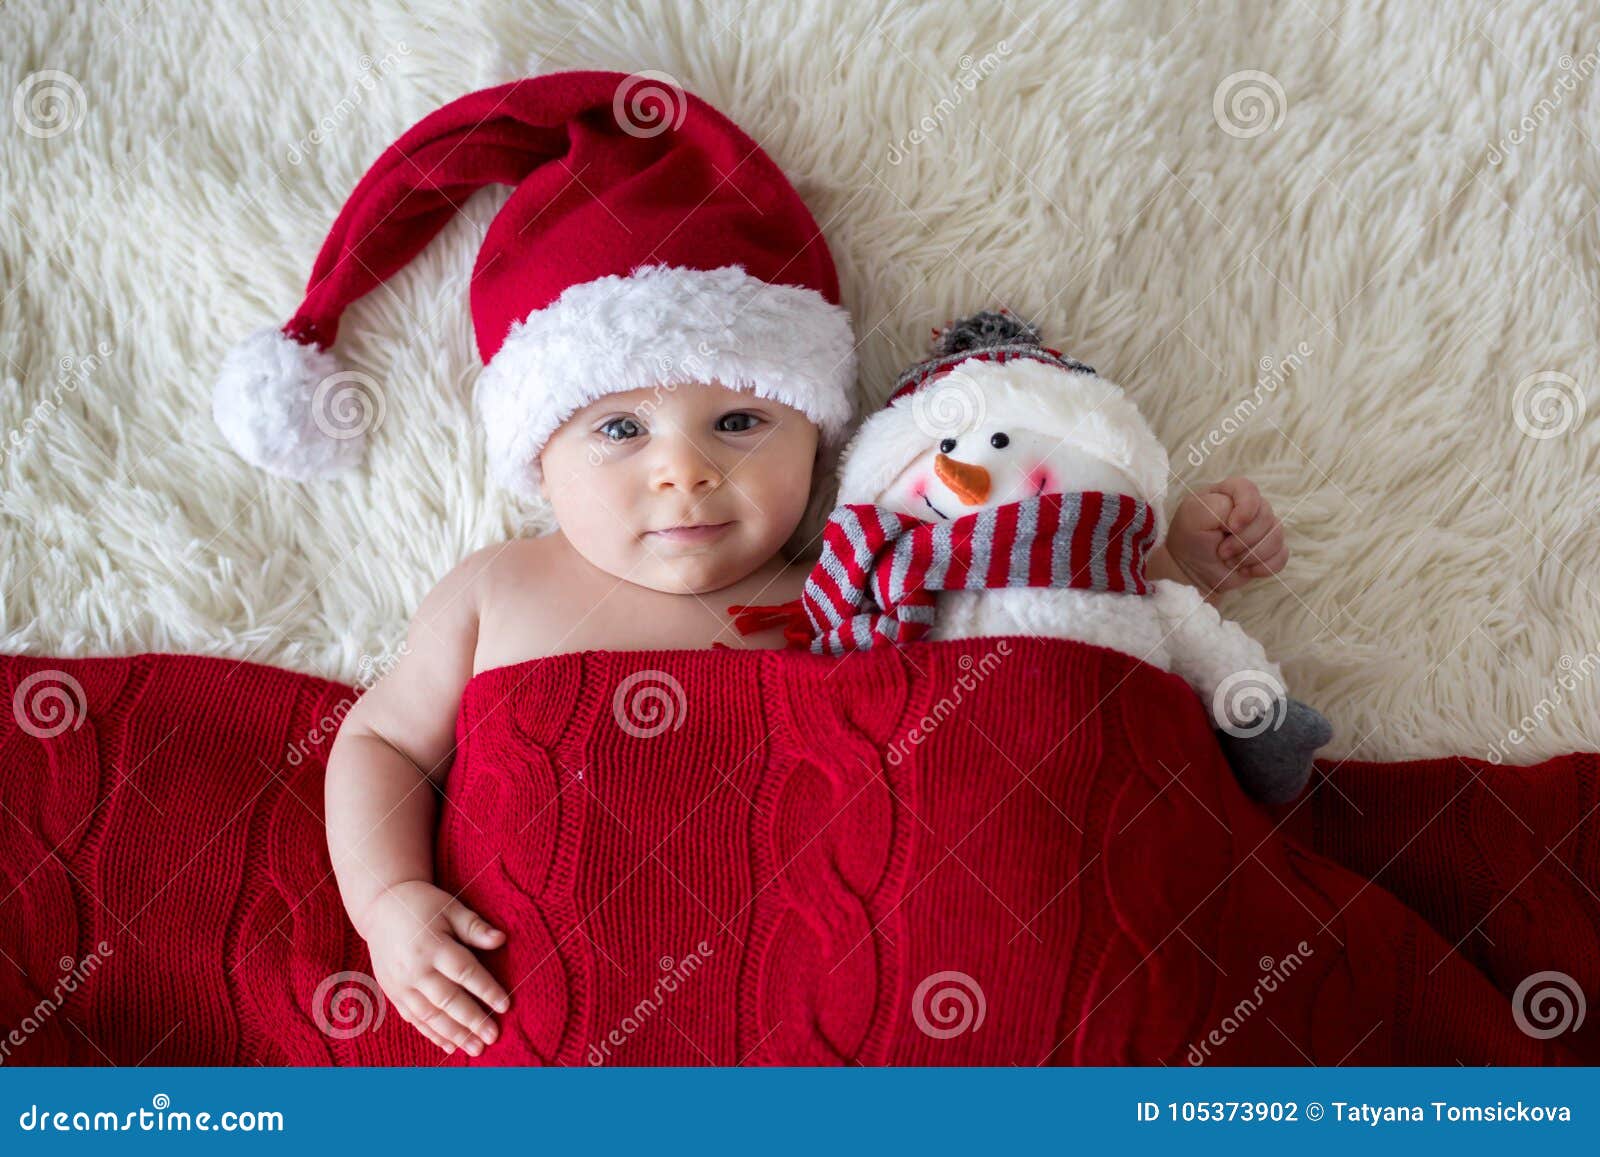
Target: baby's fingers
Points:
(417, 1013)
(465, 969)
(464, 1012)
(1246, 550)
(471, 928)
(1272, 565)
(1245, 502)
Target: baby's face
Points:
(625, 470)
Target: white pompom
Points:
(285, 407)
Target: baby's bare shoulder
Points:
(525, 590)
(515, 567)
(413, 707)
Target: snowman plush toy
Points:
(1008, 490)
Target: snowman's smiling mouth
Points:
(1043, 482)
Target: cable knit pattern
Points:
(991, 851)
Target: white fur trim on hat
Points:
(1085, 411)
(663, 325)
(275, 401)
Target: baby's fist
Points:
(1225, 535)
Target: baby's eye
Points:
(743, 421)
(621, 429)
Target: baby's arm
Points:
(390, 757)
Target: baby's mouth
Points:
(698, 532)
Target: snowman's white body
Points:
(1020, 428)
(1172, 627)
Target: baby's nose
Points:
(683, 465)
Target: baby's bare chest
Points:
(526, 619)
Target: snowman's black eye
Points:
(947, 445)
(999, 441)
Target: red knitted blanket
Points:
(978, 852)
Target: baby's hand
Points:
(1225, 535)
(416, 934)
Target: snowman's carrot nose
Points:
(966, 481)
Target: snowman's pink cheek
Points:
(919, 488)
(1040, 481)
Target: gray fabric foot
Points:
(1274, 764)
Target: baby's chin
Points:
(703, 571)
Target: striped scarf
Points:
(881, 571)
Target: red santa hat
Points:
(648, 242)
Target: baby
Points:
(672, 506)
(650, 259)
